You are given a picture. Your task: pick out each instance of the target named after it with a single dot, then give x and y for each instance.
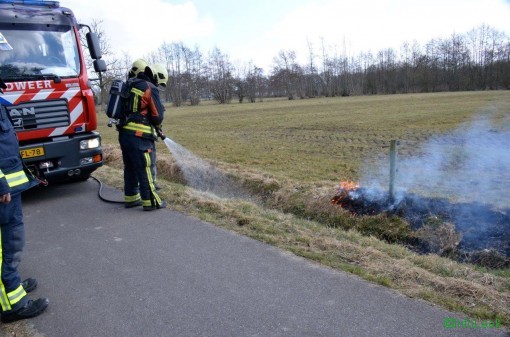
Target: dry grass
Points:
(441, 236)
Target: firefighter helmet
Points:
(160, 74)
(137, 67)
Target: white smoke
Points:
(463, 177)
(471, 164)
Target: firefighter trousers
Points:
(12, 294)
(139, 161)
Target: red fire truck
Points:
(48, 95)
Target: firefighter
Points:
(137, 136)
(160, 78)
(14, 302)
(139, 66)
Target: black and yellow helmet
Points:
(137, 67)
(160, 74)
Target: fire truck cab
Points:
(48, 95)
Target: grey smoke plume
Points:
(470, 164)
(463, 177)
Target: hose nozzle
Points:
(160, 133)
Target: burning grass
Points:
(468, 232)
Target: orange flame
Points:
(343, 191)
(348, 185)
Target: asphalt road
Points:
(110, 271)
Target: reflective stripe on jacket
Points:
(13, 178)
(139, 130)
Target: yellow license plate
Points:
(33, 152)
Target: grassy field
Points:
(292, 154)
(321, 139)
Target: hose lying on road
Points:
(99, 193)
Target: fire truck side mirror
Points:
(93, 43)
(99, 66)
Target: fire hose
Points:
(100, 195)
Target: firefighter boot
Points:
(133, 204)
(29, 284)
(31, 309)
(158, 206)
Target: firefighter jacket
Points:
(13, 178)
(145, 110)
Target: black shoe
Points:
(29, 284)
(31, 309)
(133, 204)
(151, 208)
(157, 187)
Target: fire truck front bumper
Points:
(64, 158)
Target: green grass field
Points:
(324, 139)
(294, 153)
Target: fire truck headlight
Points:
(89, 144)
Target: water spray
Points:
(201, 175)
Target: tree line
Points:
(476, 60)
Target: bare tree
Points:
(185, 70)
(194, 71)
(285, 72)
(221, 81)
(255, 83)
(173, 58)
(240, 88)
(311, 83)
(327, 71)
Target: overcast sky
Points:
(256, 30)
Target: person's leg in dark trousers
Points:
(14, 302)
(13, 296)
(131, 185)
(150, 197)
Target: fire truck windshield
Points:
(39, 50)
